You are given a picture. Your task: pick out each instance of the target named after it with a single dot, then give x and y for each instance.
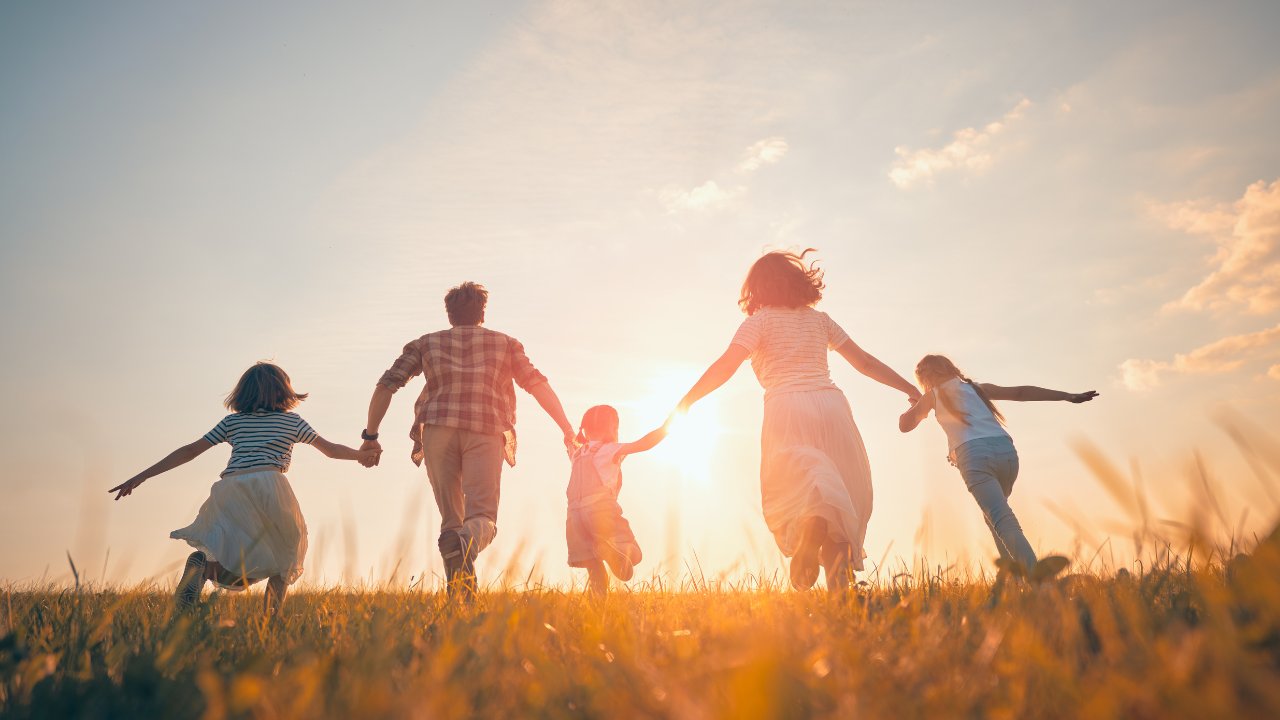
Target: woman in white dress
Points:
(815, 480)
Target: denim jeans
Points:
(989, 467)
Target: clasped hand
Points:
(372, 459)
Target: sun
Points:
(693, 437)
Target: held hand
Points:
(1082, 397)
(369, 457)
(126, 488)
(913, 397)
(570, 442)
(375, 456)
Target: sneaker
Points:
(459, 563)
(192, 581)
(617, 560)
(1048, 568)
(804, 564)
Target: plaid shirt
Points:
(469, 371)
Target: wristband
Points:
(364, 435)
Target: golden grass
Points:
(1168, 642)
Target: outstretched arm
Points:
(912, 418)
(868, 365)
(342, 452)
(550, 402)
(181, 456)
(715, 376)
(1031, 393)
(649, 441)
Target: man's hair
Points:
(263, 387)
(781, 278)
(465, 304)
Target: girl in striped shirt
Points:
(251, 527)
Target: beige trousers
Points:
(464, 468)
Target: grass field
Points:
(1171, 641)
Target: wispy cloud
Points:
(1226, 354)
(708, 196)
(971, 150)
(766, 151)
(1247, 263)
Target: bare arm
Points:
(342, 452)
(865, 363)
(378, 405)
(912, 418)
(715, 376)
(649, 441)
(181, 456)
(550, 402)
(1031, 393)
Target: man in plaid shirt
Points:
(464, 425)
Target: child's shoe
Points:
(1048, 568)
(619, 562)
(192, 580)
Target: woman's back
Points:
(789, 347)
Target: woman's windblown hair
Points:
(264, 387)
(597, 420)
(934, 370)
(781, 278)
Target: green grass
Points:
(1168, 642)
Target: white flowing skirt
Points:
(813, 463)
(252, 525)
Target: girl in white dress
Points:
(983, 451)
(251, 527)
(595, 530)
(815, 479)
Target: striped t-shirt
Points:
(789, 347)
(261, 438)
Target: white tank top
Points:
(982, 424)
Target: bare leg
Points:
(835, 559)
(273, 598)
(805, 561)
(598, 578)
(212, 569)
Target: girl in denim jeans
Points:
(982, 450)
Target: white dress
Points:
(812, 460)
(252, 524)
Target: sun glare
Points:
(693, 437)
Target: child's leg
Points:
(983, 468)
(273, 598)
(598, 577)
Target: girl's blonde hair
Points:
(597, 420)
(264, 387)
(933, 370)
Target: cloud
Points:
(1247, 264)
(766, 151)
(708, 196)
(969, 151)
(1274, 372)
(1221, 356)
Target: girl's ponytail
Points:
(985, 400)
(581, 439)
(934, 370)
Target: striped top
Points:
(789, 348)
(261, 438)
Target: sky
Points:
(1072, 195)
